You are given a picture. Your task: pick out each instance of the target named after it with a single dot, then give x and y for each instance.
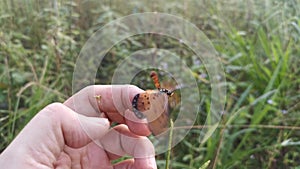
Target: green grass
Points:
(257, 41)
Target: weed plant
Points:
(258, 43)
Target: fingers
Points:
(76, 130)
(63, 161)
(91, 156)
(114, 100)
(139, 126)
(119, 141)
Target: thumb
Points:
(79, 130)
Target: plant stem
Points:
(169, 144)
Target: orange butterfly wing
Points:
(152, 105)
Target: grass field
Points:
(257, 42)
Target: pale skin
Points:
(77, 134)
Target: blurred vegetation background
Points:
(258, 42)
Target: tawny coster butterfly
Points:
(153, 105)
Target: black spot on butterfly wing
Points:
(135, 106)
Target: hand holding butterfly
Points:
(71, 135)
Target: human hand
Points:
(71, 135)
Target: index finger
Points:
(114, 101)
(114, 98)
